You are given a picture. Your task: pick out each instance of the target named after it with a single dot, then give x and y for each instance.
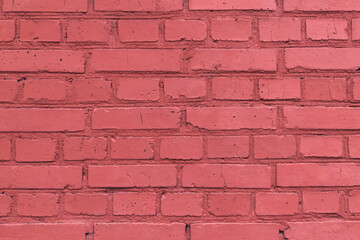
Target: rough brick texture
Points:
(179, 119)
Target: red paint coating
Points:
(179, 119)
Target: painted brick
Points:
(177, 30)
(286, 88)
(325, 89)
(132, 176)
(229, 204)
(231, 29)
(280, 29)
(182, 204)
(85, 204)
(42, 61)
(231, 231)
(40, 30)
(83, 148)
(132, 231)
(37, 204)
(274, 147)
(132, 148)
(140, 89)
(318, 175)
(176, 88)
(228, 147)
(7, 30)
(51, 90)
(226, 175)
(321, 146)
(133, 203)
(181, 148)
(239, 60)
(42, 231)
(321, 202)
(232, 89)
(326, 29)
(138, 30)
(276, 203)
(86, 31)
(35, 150)
(231, 118)
(41, 177)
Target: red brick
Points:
(321, 146)
(178, 30)
(41, 120)
(354, 200)
(90, 90)
(131, 203)
(284, 88)
(42, 231)
(85, 204)
(323, 230)
(181, 148)
(322, 58)
(240, 60)
(322, 117)
(83, 148)
(356, 29)
(356, 89)
(136, 118)
(231, 118)
(5, 205)
(182, 204)
(184, 88)
(326, 29)
(132, 176)
(321, 5)
(44, 6)
(318, 174)
(232, 231)
(140, 6)
(229, 204)
(276, 203)
(5, 149)
(324, 89)
(35, 150)
(8, 90)
(280, 29)
(321, 202)
(53, 90)
(228, 147)
(40, 177)
(232, 5)
(42, 61)
(132, 231)
(354, 146)
(274, 147)
(40, 30)
(141, 89)
(232, 89)
(227, 29)
(37, 204)
(7, 30)
(138, 30)
(132, 148)
(159, 60)
(87, 31)
(226, 175)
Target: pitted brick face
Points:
(179, 119)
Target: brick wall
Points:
(179, 119)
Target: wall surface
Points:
(179, 119)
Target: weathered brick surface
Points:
(179, 119)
